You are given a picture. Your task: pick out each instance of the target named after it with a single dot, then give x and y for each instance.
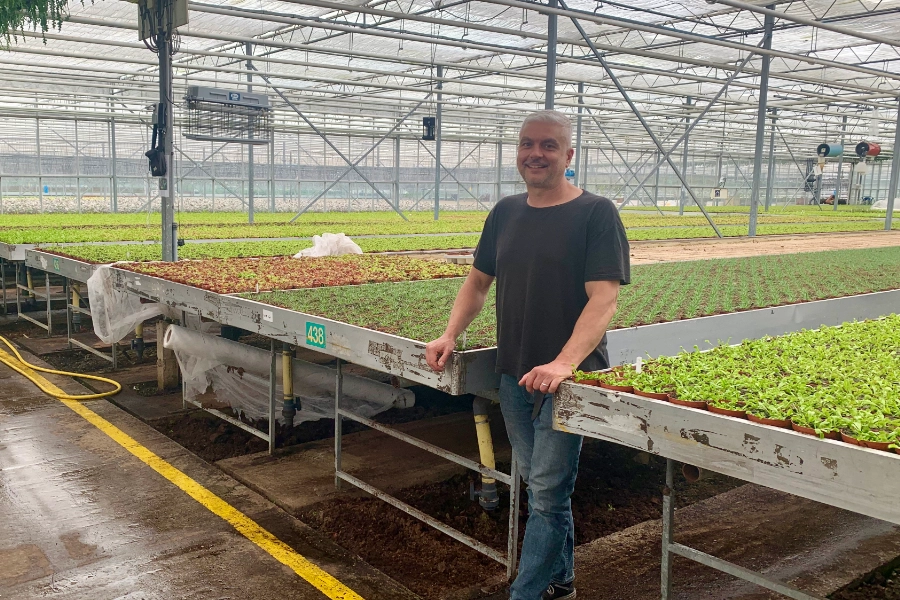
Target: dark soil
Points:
(614, 491)
(881, 585)
(82, 361)
(213, 439)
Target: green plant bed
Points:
(231, 218)
(831, 380)
(674, 233)
(149, 252)
(375, 221)
(659, 293)
(843, 209)
(233, 275)
(47, 237)
(140, 233)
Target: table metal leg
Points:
(18, 295)
(3, 283)
(668, 528)
(67, 286)
(512, 543)
(49, 317)
(273, 374)
(338, 422)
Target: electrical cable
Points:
(22, 367)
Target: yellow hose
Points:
(22, 367)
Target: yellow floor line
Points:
(246, 526)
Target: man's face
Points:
(543, 154)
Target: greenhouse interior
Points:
(450, 299)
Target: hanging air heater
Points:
(829, 150)
(824, 151)
(864, 149)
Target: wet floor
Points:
(84, 519)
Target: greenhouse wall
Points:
(49, 165)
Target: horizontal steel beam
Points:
(667, 339)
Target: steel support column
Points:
(272, 174)
(877, 195)
(396, 183)
(37, 139)
(656, 180)
(166, 96)
(770, 174)
(895, 175)
(550, 87)
(578, 126)
(499, 166)
(760, 125)
(840, 173)
(113, 168)
(684, 158)
(437, 144)
(77, 169)
(248, 49)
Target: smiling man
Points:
(559, 255)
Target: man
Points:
(559, 255)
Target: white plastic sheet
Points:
(883, 204)
(330, 244)
(238, 375)
(115, 313)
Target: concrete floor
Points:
(84, 519)
(816, 548)
(304, 474)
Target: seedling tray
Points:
(849, 477)
(69, 268)
(14, 252)
(466, 372)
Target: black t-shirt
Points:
(542, 258)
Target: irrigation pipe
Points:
(23, 367)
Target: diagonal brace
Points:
(449, 173)
(690, 128)
(327, 141)
(628, 168)
(353, 166)
(640, 117)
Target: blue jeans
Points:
(548, 462)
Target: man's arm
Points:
(589, 330)
(469, 302)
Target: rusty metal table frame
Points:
(472, 372)
(73, 272)
(466, 372)
(34, 293)
(834, 473)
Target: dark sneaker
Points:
(559, 591)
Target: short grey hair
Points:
(553, 117)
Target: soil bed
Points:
(881, 585)
(213, 439)
(82, 361)
(659, 293)
(232, 275)
(613, 491)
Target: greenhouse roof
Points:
(359, 66)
